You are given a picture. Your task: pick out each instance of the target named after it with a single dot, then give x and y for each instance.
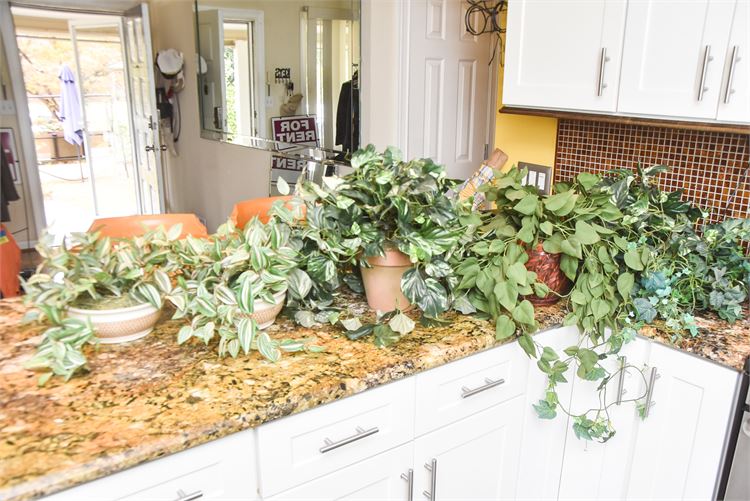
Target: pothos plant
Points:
(223, 278)
(385, 203)
(92, 272)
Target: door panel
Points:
(680, 444)
(554, 54)
(448, 102)
(671, 47)
(475, 458)
(213, 99)
(144, 112)
(736, 106)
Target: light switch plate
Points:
(7, 107)
(539, 176)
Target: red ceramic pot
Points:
(547, 269)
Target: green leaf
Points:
(547, 227)
(401, 323)
(184, 334)
(587, 358)
(586, 234)
(600, 308)
(268, 348)
(549, 354)
(572, 247)
(517, 273)
(305, 318)
(557, 201)
(299, 283)
(282, 186)
(506, 294)
(527, 205)
(633, 260)
(524, 313)
(545, 410)
(246, 329)
(625, 284)
(588, 180)
(504, 327)
(528, 345)
(351, 324)
(569, 266)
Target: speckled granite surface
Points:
(150, 398)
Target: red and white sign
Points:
(295, 130)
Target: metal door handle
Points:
(432, 468)
(704, 69)
(650, 392)
(330, 445)
(409, 477)
(621, 381)
(181, 496)
(602, 61)
(730, 76)
(489, 383)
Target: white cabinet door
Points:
(449, 107)
(593, 470)
(673, 57)
(734, 99)
(375, 479)
(473, 459)
(563, 54)
(679, 449)
(543, 440)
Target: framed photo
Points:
(8, 148)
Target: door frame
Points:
(23, 118)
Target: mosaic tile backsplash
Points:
(713, 168)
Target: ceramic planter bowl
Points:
(383, 281)
(547, 268)
(120, 325)
(264, 313)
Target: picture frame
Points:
(8, 148)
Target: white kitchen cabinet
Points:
(679, 446)
(673, 57)
(376, 479)
(473, 459)
(563, 54)
(593, 470)
(543, 440)
(220, 470)
(734, 98)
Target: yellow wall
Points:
(524, 138)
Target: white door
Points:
(211, 80)
(680, 444)
(384, 477)
(734, 99)
(543, 440)
(563, 54)
(473, 459)
(593, 470)
(449, 97)
(140, 70)
(673, 57)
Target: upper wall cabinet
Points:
(674, 56)
(734, 97)
(564, 54)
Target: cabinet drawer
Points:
(219, 470)
(305, 446)
(465, 387)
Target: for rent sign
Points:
(295, 130)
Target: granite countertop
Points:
(151, 397)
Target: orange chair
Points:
(130, 226)
(247, 209)
(10, 264)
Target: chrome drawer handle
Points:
(704, 69)
(467, 392)
(730, 76)
(603, 59)
(330, 445)
(621, 381)
(409, 477)
(181, 496)
(650, 392)
(432, 468)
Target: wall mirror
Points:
(280, 70)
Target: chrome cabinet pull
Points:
(409, 477)
(621, 381)
(181, 496)
(704, 69)
(489, 383)
(603, 59)
(330, 445)
(432, 468)
(650, 392)
(730, 76)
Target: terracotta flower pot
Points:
(547, 268)
(264, 313)
(383, 281)
(119, 325)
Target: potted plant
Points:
(96, 289)
(234, 285)
(393, 220)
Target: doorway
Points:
(79, 78)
